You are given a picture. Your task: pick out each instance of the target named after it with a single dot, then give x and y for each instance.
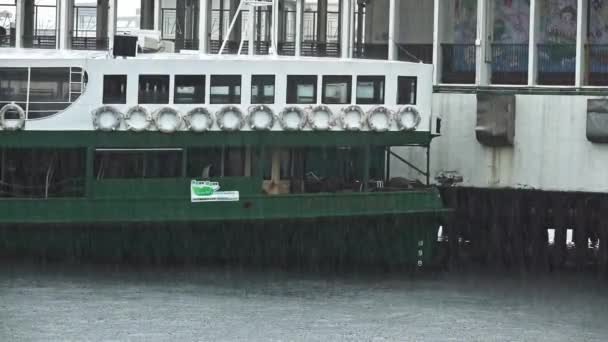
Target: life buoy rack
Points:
(408, 118)
(138, 119)
(15, 124)
(199, 120)
(322, 118)
(170, 125)
(230, 118)
(107, 118)
(379, 119)
(261, 118)
(293, 118)
(352, 118)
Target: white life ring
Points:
(352, 118)
(12, 124)
(168, 120)
(379, 119)
(107, 118)
(230, 118)
(322, 118)
(261, 118)
(138, 119)
(408, 118)
(199, 120)
(293, 118)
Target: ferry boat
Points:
(172, 156)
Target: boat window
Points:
(204, 163)
(115, 89)
(262, 89)
(13, 86)
(113, 164)
(234, 162)
(42, 172)
(49, 91)
(370, 90)
(225, 89)
(189, 89)
(302, 89)
(337, 89)
(406, 90)
(154, 89)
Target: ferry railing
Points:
(370, 51)
(232, 47)
(89, 43)
(7, 41)
(40, 42)
(556, 64)
(510, 63)
(597, 64)
(458, 63)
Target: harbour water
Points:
(94, 303)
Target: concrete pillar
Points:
(581, 42)
(27, 19)
(534, 33)
(203, 26)
(276, 26)
(64, 25)
(157, 15)
(392, 22)
(146, 21)
(299, 23)
(103, 10)
(112, 15)
(322, 21)
(437, 15)
(345, 27)
(19, 24)
(180, 24)
(251, 30)
(483, 43)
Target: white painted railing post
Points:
(532, 48)
(157, 14)
(581, 43)
(346, 11)
(112, 15)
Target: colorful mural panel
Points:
(465, 21)
(558, 22)
(598, 22)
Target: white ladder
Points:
(76, 83)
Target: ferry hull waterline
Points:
(207, 158)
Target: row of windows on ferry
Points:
(509, 28)
(226, 89)
(46, 172)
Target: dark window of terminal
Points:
(302, 89)
(262, 89)
(337, 89)
(154, 89)
(204, 163)
(225, 89)
(13, 86)
(189, 89)
(115, 89)
(113, 164)
(406, 90)
(370, 90)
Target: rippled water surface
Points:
(79, 303)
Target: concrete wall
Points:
(550, 152)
